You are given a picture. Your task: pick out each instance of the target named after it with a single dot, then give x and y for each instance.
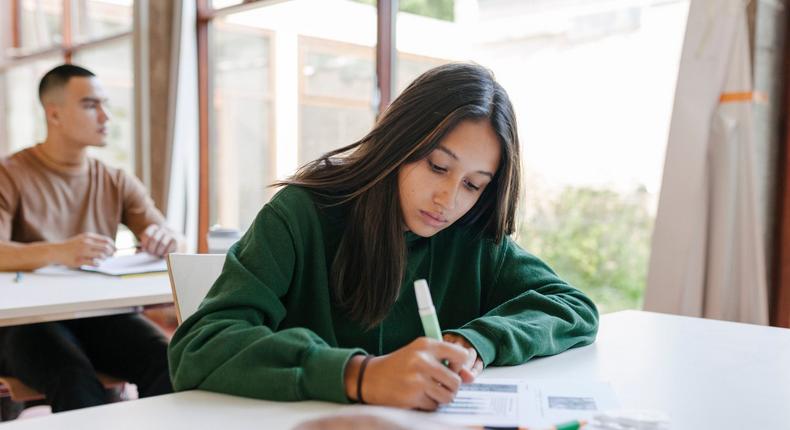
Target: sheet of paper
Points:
(491, 402)
(129, 265)
(516, 402)
(57, 270)
(560, 401)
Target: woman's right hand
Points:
(412, 377)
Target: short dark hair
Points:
(59, 77)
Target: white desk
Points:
(704, 374)
(59, 294)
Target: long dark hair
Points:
(368, 268)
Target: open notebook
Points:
(142, 262)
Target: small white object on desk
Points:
(139, 263)
(631, 420)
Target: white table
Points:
(54, 294)
(705, 374)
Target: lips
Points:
(433, 219)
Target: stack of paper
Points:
(129, 265)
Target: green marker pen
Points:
(430, 324)
(570, 425)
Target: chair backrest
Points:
(191, 276)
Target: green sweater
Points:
(267, 328)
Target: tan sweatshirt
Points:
(41, 200)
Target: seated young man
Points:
(60, 206)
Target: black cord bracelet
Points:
(359, 377)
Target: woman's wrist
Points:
(361, 376)
(351, 376)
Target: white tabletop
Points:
(53, 294)
(704, 374)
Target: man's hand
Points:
(473, 365)
(83, 249)
(158, 240)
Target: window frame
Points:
(67, 47)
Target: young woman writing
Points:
(315, 301)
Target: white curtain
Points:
(183, 191)
(708, 257)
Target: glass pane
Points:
(439, 9)
(336, 102)
(100, 18)
(342, 71)
(241, 126)
(41, 24)
(323, 72)
(112, 64)
(409, 67)
(592, 83)
(339, 126)
(24, 116)
(219, 4)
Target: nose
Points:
(446, 195)
(104, 114)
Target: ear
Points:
(52, 114)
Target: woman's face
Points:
(439, 189)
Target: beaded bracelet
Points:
(359, 377)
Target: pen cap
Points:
(423, 294)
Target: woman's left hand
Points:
(474, 365)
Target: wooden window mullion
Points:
(387, 11)
(779, 298)
(16, 17)
(204, 18)
(68, 49)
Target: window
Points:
(40, 24)
(335, 95)
(592, 84)
(219, 4)
(95, 19)
(323, 71)
(242, 152)
(24, 117)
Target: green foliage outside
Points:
(597, 240)
(439, 9)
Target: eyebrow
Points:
(455, 157)
(92, 100)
